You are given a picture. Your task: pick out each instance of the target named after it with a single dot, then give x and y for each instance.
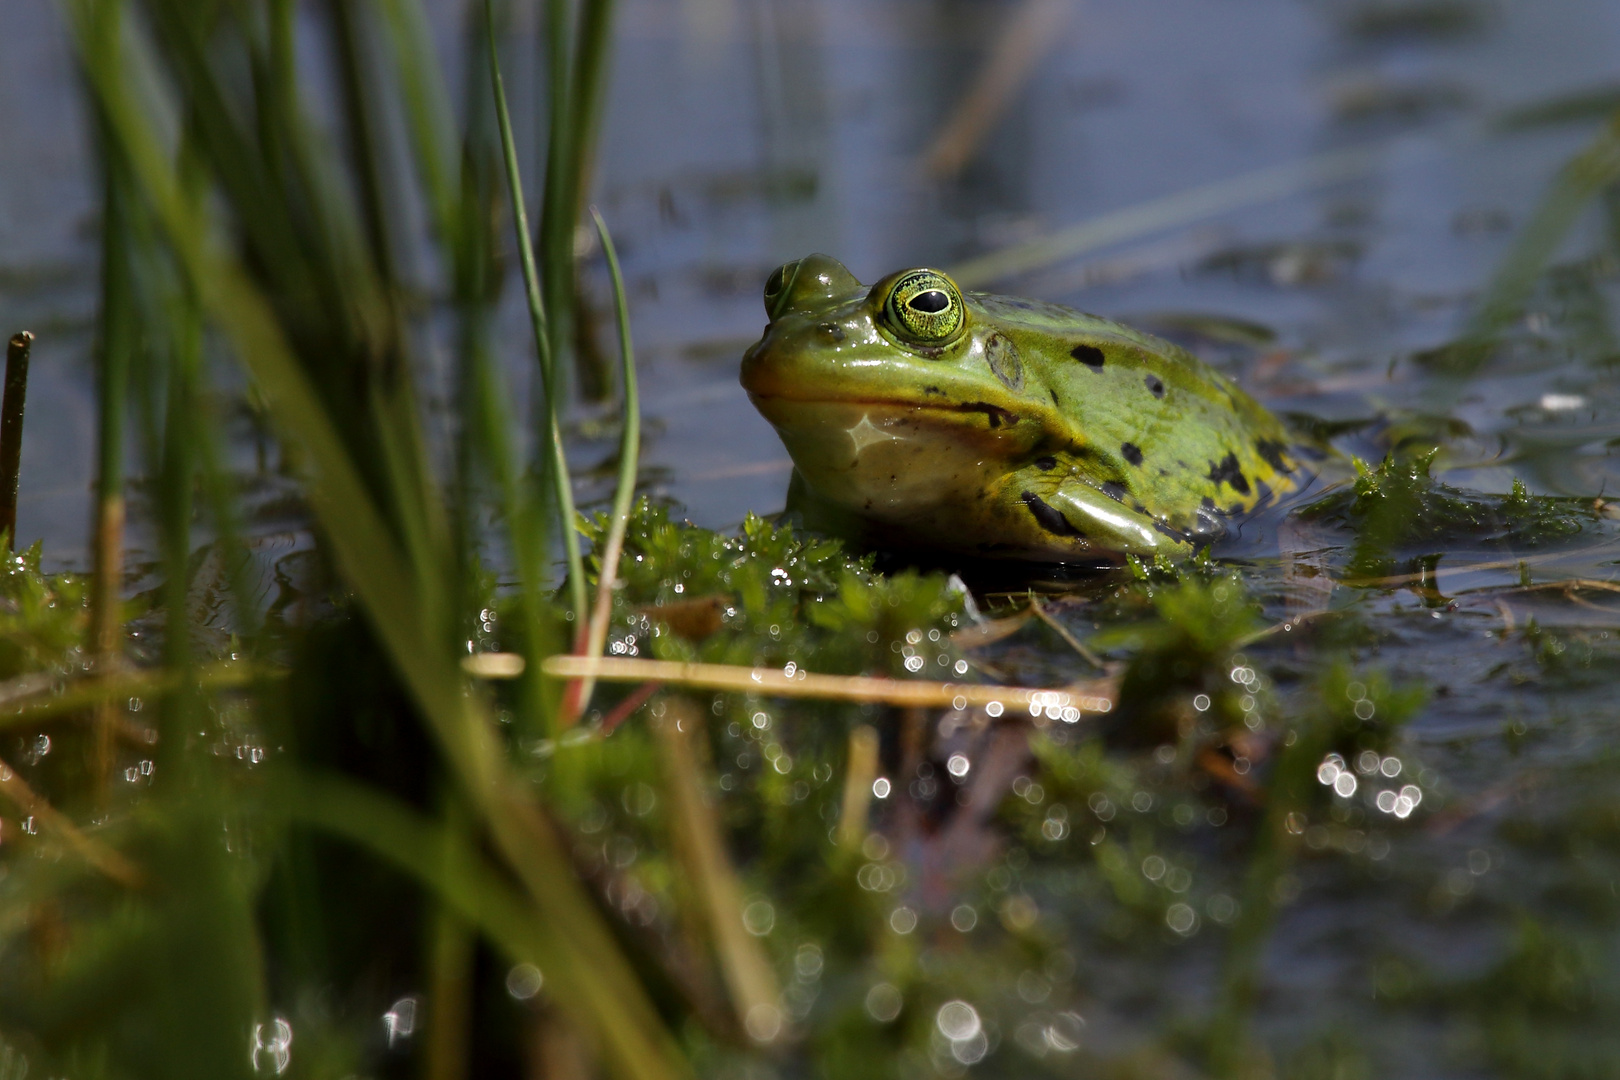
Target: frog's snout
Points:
(806, 284)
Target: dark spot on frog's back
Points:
(1047, 516)
(1114, 490)
(1131, 453)
(1089, 355)
(1155, 387)
(1002, 357)
(1045, 463)
(1275, 454)
(1228, 472)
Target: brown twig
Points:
(11, 425)
(40, 696)
(624, 709)
(1568, 585)
(1032, 32)
(978, 635)
(1286, 625)
(1063, 632)
(1398, 580)
(97, 854)
(1507, 617)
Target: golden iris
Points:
(925, 307)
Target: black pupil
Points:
(932, 302)
(774, 285)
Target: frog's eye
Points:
(776, 283)
(924, 306)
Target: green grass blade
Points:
(456, 871)
(429, 124)
(537, 320)
(1577, 183)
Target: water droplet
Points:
(400, 1020)
(272, 1046)
(524, 981)
(883, 1002)
(958, 1021)
(759, 918)
(764, 1023)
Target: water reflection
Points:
(271, 1048)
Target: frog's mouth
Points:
(892, 460)
(996, 416)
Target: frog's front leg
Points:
(1070, 516)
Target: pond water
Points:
(1472, 936)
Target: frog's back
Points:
(1150, 425)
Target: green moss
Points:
(778, 597)
(1399, 513)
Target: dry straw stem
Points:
(1090, 698)
(1034, 30)
(859, 775)
(707, 870)
(97, 854)
(1181, 208)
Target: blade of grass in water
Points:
(624, 492)
(537, 321)
(575, 65)
(457, 202)
(1577, 183)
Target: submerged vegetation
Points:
(326, 814)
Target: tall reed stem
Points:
(112, 378)
(537, 322)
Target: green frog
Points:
(921, 417)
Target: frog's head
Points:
(900, 403)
